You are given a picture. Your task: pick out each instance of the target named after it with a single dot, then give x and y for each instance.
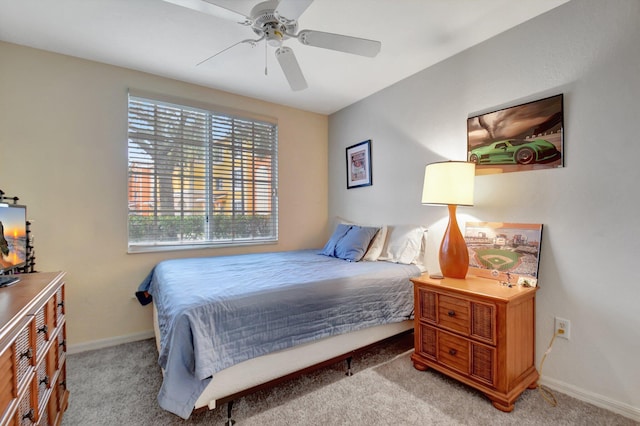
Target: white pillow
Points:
(377, 244)
(421, 259)
(404, 244)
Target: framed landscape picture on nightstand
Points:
(507, 252)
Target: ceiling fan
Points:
(275, 21)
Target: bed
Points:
(228, 324)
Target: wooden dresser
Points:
(479, 332)
(33, 387)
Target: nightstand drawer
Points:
(469, 358)
(453, 313)
(467, 317)
(453, 351)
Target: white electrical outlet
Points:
(563, 328)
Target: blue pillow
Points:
(330, 248)
(354, 245)
(349, 242)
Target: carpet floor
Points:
(118, 386)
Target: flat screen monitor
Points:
(13, 236)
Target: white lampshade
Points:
(449, 182)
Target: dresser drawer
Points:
(52, 409)
(45, 325)
(42, 381)
(61, 345)
(61, 389)
(27, 413)
(45, 373)
(60, 308)
(25, 351)
(8, 382)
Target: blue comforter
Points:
(218, 311)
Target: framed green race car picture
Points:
(519, 138)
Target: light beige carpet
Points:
(118, 386)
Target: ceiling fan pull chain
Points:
(265, 58)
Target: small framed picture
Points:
(359, 165)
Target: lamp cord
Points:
(545, 392)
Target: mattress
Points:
(217, 312)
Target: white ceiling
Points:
(168, 40)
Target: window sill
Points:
(153, 248)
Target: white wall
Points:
(588, 50)
(63, 151)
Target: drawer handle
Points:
(61, 304)
(63, 344)
(27, 354)
(63, 384)
(452, 352)
(451, 313)
(44, 329)
(29, 415)
(44, 380)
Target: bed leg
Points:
(230, 421)
(349, 373)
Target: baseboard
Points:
(625, 410)
(105, 343)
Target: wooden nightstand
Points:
(479, 332)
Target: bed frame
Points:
(271, 369)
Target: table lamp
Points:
(450, 183)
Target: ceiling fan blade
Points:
(342, 43)
(291, 69)
(250, 42)
(290, 10)
(210, 8)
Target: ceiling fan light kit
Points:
(275, 21)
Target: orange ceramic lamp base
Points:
(454, 256)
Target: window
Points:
(199, 178)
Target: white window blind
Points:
(198, 177)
